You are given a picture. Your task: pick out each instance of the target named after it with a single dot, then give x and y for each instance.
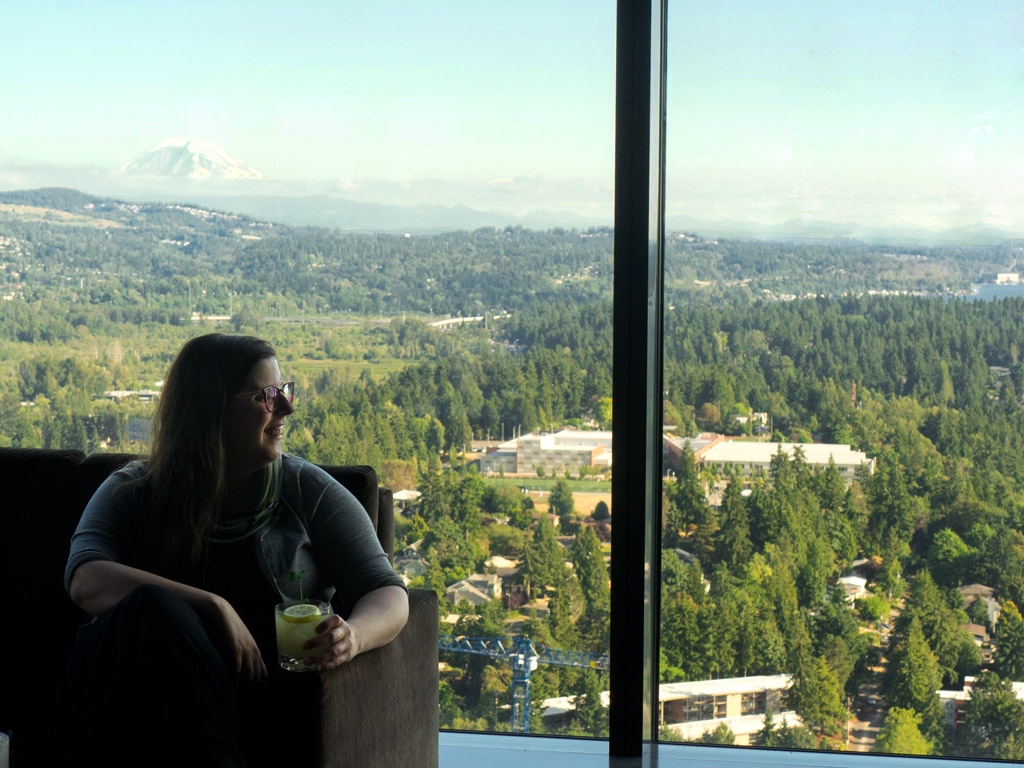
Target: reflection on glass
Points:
(843, 558)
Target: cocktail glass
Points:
(296, 623)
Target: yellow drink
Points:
(296, 623)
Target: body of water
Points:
(993, 292)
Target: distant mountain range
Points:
(271, 201)
(194, 171)
(339, 213)
(816, 229)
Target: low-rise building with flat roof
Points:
(752, 457)
(500, 459)
(691, 709)
(554, 452)
(745, 727)
(672, 446)
(719, 699)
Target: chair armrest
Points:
(381, 709)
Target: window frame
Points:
(636, 374)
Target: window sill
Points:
(471, 750)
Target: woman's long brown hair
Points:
(185, 484)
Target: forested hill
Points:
(161, 255)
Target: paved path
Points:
(869, 710)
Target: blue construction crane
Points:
(524, 655)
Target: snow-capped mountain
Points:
(182, 157)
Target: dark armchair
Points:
(381, 709)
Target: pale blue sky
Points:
(835, 110)
(869, 109)
(315, 89)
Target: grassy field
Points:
(585, 493)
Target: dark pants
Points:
(145, 686)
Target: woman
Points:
(183, 557)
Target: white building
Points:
(854, 586)
(753, 457)
(1007, 278)
(555, 452)
(700, 700)
(745, 727)
(502, 459)
(503, 567)
(476, 589)
(144, 395)
(672, 446)
(694, 708)
(406, 499)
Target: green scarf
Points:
(229, 531)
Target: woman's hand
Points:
(376, 618)
(336, 642)
(237, 641)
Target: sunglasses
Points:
(272, 393)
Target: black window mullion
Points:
(636, 374)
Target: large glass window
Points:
(842, 539)
(413, 203)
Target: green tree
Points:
(589, 715)
(794, 737)
(542, 561)
(895, 514)
(686, 502)
(1009, 643)
(506, 540)
(589, 566)
(590, 569)
(872, 608)
(734, 547)
(766, 737)
(720, 734)
(521, 518)
(815, 695)
(950, 560)
(901, 734)
(940, 624)
(603, 413)
(502, 500)
(469, 495)
(435, 436)
(562, 504)
(914, 679)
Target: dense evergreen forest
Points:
(96, 295)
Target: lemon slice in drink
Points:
(301, 614)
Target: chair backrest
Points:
(39, 512)
(361, 481)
